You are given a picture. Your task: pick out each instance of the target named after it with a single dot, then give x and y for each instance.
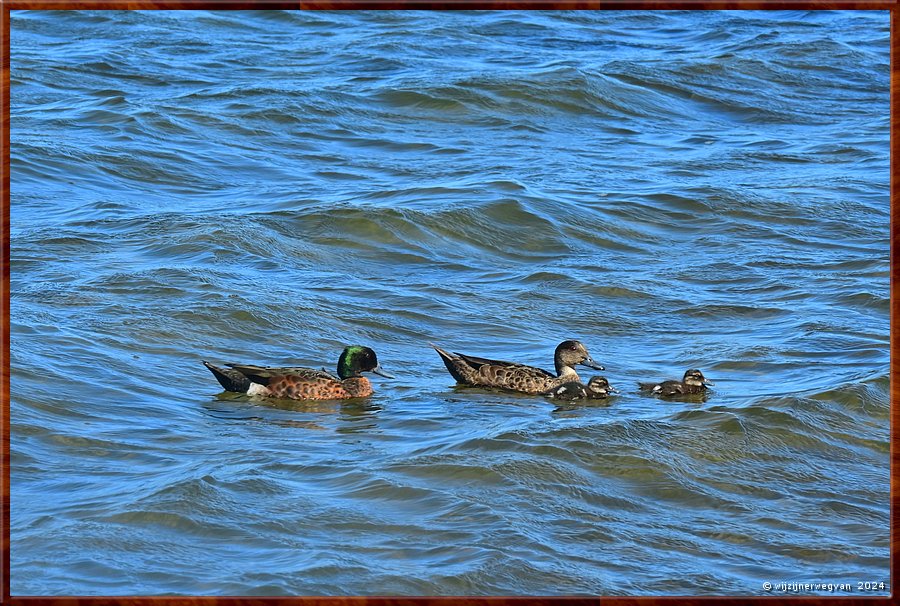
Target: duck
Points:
(300, 383)
(510, 376)
(598, 388)
(693, 383)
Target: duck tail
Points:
(450, 361)
(444, 354)
(231, 380)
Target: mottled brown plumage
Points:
(320, 386)
(300, 383)
(482, 372)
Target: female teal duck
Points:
(693, 382)
(299, 383)
(481, 372)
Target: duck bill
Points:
(708, 383)
(612, 390)
(378, 370)
(589, 362)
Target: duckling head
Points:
(599, 387)
(695, 377)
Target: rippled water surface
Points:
(675, 189)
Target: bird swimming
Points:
(511, 376)
(693, 383)
(300, 383)
(598, 388)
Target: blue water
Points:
(675, 189)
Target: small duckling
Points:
(693, 383)
(573, 390)
(597, 388)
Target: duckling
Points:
(693, 383)
(481, 372)
(573, 390)
(598, 388)
(300, 383)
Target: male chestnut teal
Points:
(598, 388)
(481, 372)
(299, 383)
(693, 383)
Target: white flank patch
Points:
(258, 390)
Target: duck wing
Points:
(516, 377)
(479, 363)
(264, 374)
(669, 388)
(484, 372)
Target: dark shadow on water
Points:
(697, 398)
(242, 408)
(576, 408)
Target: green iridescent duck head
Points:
(356, 360)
